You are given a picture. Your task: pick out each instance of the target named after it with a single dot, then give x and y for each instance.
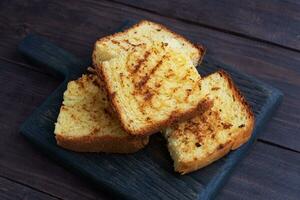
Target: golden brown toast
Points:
(151, 87)
(145, 32)
(84, 123)
(150, 76)
(205, 138)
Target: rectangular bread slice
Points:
(151, 87)
(205, 138)
(150, 76)
(145, 32)
(84, 123)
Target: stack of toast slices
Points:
(144, 81)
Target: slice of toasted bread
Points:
(205, 138)
(145, 32)
(84, 123)
(151, 86)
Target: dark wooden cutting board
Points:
(147, 174)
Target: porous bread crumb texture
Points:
(142, 68)
(205, 138)
(145, 32)
(84, 110)
(85, 123)
(151, 84)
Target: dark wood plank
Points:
(39, 129)
(21, 162)
(10, 190)
(22, 90)
(268, 172)
(277, 22)
(75, 26)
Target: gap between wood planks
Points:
(246, 53)
(277, 145)
(57, 197)
(28, 186)
(20, 64)
(37, 70)
(208, 26)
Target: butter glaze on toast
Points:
(205, 138)
(151, 86)
(84, 123)
(150, 76)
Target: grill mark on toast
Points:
(142, 82)
(148, 95)
(146, 78)
(140, 62)
(160, 30)
(147, 100)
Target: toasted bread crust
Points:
(196, 56)
(107, 144)
(243, 136)
(200, 48)
(240, 138)
(175, 117)
(186, 167)
(103, 134)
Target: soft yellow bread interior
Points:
(205, 138)
(84, 111)
(150, 86)
(145, 32)
(85, 123)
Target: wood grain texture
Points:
(277, 170)
(22, 90)
(75, 25)
(10, 190)
(279, 67)
(32, 84)
(270, 20)
(148, 176)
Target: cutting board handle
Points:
(41, 51)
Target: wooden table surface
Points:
(261, 38)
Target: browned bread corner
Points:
(150, 76)
(85, 124)
(144, 32)
(205, 138)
